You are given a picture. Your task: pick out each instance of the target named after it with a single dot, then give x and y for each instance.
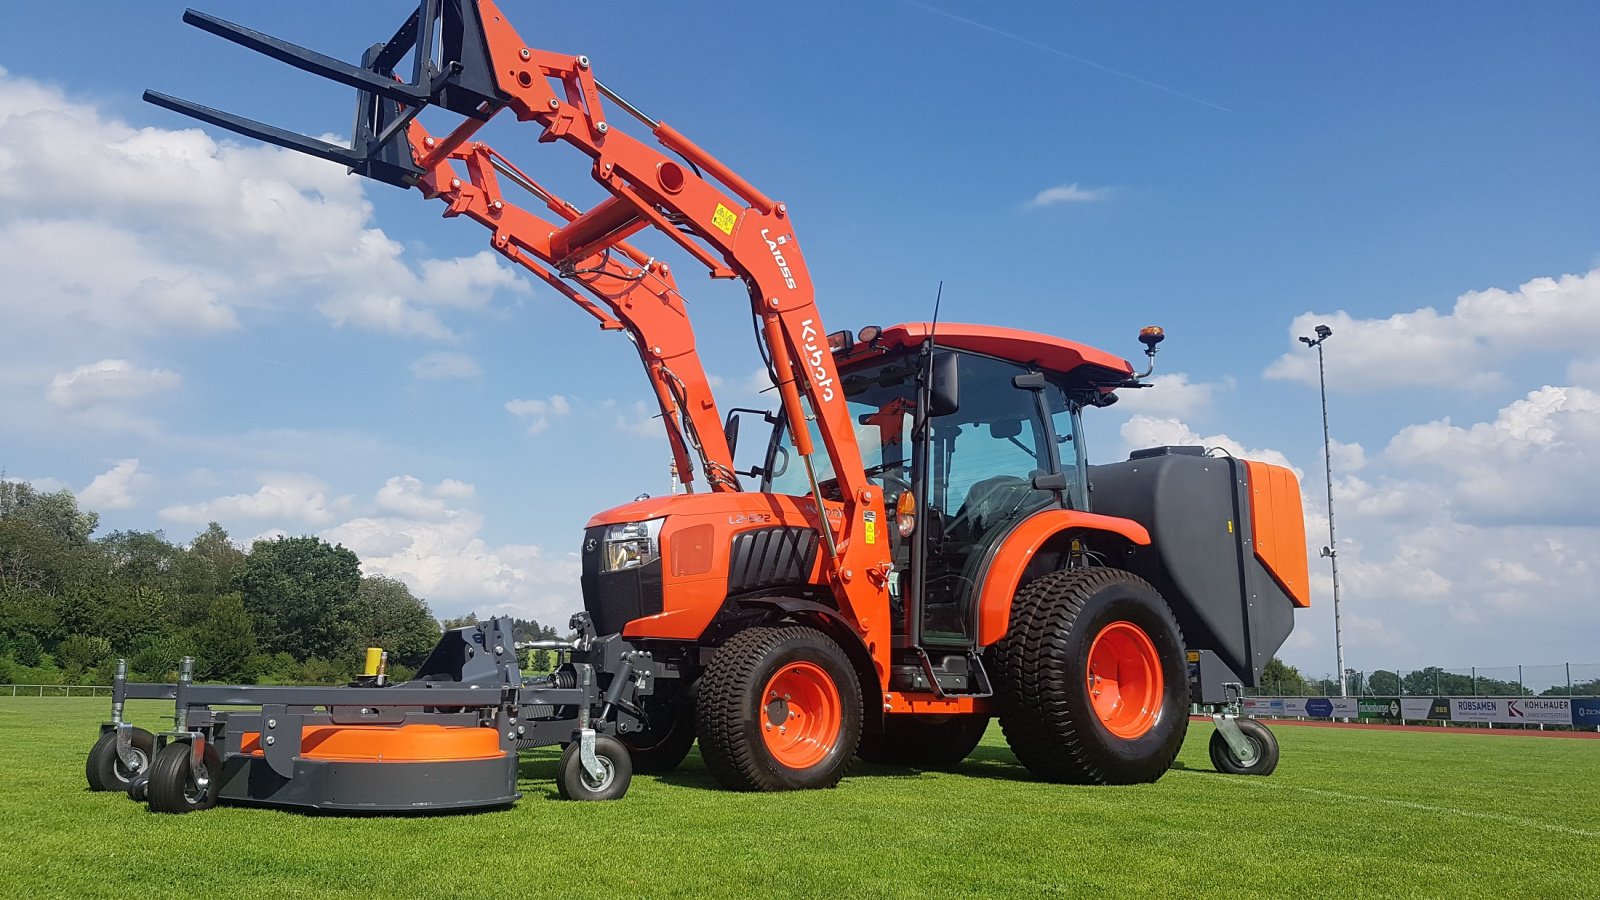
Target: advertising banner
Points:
(1513, 710)
(1345, 707)
(1586, 711)
(1378, 707)
(1472, 709)
(1294, 706)
(1540, 710)
(1437, 708)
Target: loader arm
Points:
(484, 68)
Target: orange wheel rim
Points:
(801, 715)
(1124, 680)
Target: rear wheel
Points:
(1091, 679)
(105, 769)
(779, 709)
(923, 742)
(1263, 743)
(173, 788)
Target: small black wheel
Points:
(573, 783)
(923, 742)
(106, 770)
(172, 786)
(1264, 742)
(662, 746)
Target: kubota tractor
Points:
(924, 547)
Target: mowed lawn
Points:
(1349, 813)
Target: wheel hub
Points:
(1124, 680)
(802, 716)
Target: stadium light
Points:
(1331, 551)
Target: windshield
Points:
(882, 400)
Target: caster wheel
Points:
(172, 787)
(1262, 740)
(105, 769)
(574, 783)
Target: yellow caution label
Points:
(871, 530)
(1230, 526)
(1194, 656)
(725, 218)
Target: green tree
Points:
(1277, 677)
(55, 512)
(204, 571)
(393, 618)
(470, 618)
(302, 594)
(80, 652)
(26, 650)
(225, 643)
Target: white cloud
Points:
(1172, 395)
(189, 234)
(644, 421)
(539, 412)
(436, 547)
(439, 365)
(281, 499)
(1535, 462)
(120, 487)
(1150, 431)
(1068, 193)
(109, 380)
(1460, 349)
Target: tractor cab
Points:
(966, 436)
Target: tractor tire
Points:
(663, 746)
(573, 783)
(923, 742)
(104, 768)
(779, 710)
(1266, 746)
(172, 788)
(1091, 680)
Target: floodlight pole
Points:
(1332, 550)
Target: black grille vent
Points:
(771, 557)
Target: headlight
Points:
(631, 545)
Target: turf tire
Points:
(731, 709)
(1266, 744)
(923, 742)
(104, 768)
(172, 789)
(1039, 668)
(573, 783)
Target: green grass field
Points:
(1348, 813)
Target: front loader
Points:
(923, 547)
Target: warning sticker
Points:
(871, 519)
(725, 218)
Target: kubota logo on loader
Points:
(819, 375)
(783, 264)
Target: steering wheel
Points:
(893, 485)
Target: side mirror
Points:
(944, 393)
(730, 432)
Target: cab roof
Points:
(1051, 354)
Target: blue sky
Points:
(199, 329)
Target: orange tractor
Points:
(925, 547)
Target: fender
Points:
(1002, 574)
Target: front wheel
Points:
(173, 787)
(105, 769)
(663, 746)
(1263, 743)
(779, 710)
(574, 782)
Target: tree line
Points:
(285, 610)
